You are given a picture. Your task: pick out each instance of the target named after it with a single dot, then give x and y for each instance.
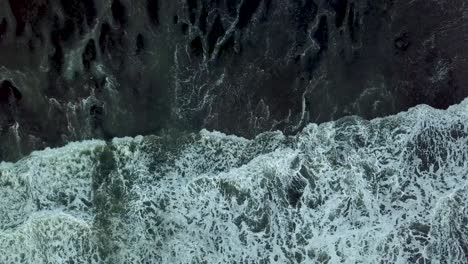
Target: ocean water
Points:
(388, 190)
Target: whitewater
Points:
(388, 190)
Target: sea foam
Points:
(388, 190)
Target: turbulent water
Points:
(389, 190)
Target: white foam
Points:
(389, 190)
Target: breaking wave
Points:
(389, 190)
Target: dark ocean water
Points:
(74, 70)
(233, 131)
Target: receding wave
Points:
(389, 190)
